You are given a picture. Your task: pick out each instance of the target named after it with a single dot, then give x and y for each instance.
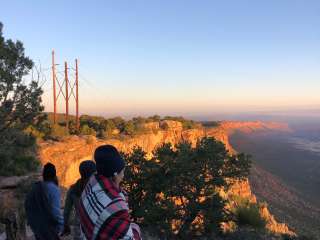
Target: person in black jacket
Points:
(86, 169)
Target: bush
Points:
(249, 214)
(21, 165)
(103, 128)
(186, 124)
(101, 134)
(17, 165)
(58, 132)
(86, 130)
(17, 153)
(129, 128)
(176, 188)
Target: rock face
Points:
(171, 125)
(67, 155)
(12, 195)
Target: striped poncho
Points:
(104, 212)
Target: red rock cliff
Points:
(68, 154)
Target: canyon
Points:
(68, 154)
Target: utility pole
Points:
(54, 90)
(65, 91)
(67, 94)
(77, 98)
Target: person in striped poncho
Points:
(103, 207)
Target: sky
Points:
(176, 57)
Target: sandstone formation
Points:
(68, 154)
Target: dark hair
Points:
(87, 168)
(49, 173)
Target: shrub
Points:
(58, 132)
(186, 124)
(86, 130)
(177, 186)
(101, 134)
(17, 153)
(17, 165)
(249, 214)
(129, 128)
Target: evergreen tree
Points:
(177, 190)
(20, 107)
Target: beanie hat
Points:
(49, 172)
(87, 168)
(108, 160)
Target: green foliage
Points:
(134, 126)
(118, 122)
(154, 118)
(105, 128)
(58, 132)
(42, 128)
(129, 128)
(20, 164)
(73, 127)
(109, 127)
(186, 124)
(179, 185)
(17, 153)
(101, 134)
(248, 214)
(20, 108)
(86, 130)
(34, 132)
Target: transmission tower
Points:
(64, 86)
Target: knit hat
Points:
(108, 160)
(87, 168)
(49, 172)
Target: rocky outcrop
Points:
(171, 125)
(68, 154)
(12, 216)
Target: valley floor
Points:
(281, 177)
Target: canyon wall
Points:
(68, 154)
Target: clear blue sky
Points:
(177, 57)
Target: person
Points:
(86, 169)
(103, 208)
(42, 206)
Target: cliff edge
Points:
(67, 154)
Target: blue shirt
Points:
(54, 197)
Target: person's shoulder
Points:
(52, 187)
(76, 187)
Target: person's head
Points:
(109, 163)
(87, 168)
(49, 173)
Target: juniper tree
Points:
(177, 190)
(20, 107)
